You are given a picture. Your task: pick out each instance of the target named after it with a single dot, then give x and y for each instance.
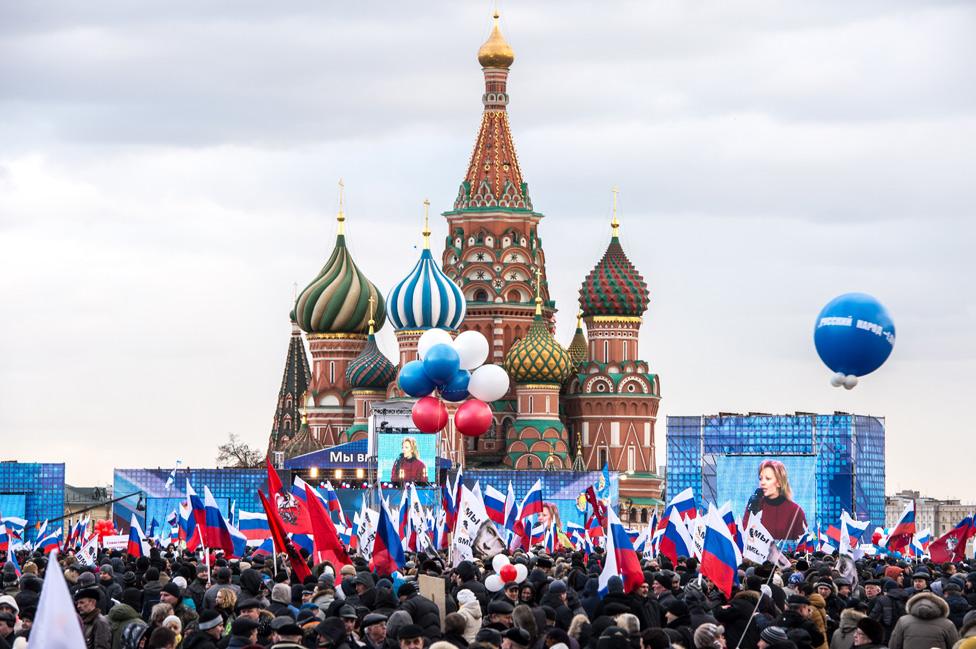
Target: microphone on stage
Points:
(755, 502)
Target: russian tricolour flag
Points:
(901, 535)
(387, 549)
(621, 559)
(495, 505)
(720, 555)
(532, 503)
(676, 540)
(684, 504)
(136, 537)
(253, 525)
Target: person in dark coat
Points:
(465, 577)
(455, 625)
(797, 616)
(423, 612)
(958, 605)
(615, 595)
(209, 628)
(648, 609)
(736, 617)
(590, 600)
(556, 597)
(678, 618)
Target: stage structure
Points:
(830, 463)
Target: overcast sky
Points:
(168, 173)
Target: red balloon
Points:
(508, 573)
(473, 418)
(429, 414)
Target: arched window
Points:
(332, 372)
(606, 351)
(481, 295)
(644, 515)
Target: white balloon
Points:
(521, 572)
(850, 381)
(472, 347)
(837, 379)
(498, 562)
(430, 338)
(494, 583)
(488, 383)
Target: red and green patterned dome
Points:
(614, 287)
(577, 347)
(538, 358)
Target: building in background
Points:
(87, 501)
(581, 407)
(940, 516)
(835, 462)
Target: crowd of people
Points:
(172, 600)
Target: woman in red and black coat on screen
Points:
(783, 518)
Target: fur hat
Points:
(707, 635)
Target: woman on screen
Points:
(408, 467)
(783, 518)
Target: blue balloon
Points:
(441, 363)
(414, 380)
(457, 388)
(854, 334)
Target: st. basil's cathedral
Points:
(569, 408)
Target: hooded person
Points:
(252, 586)
(737, 617)
(121, 617)
(797, 616)
(818, 613)
(470, 609)
(843, 637)
(925, 625)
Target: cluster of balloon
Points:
(854, 336)
(505, 572)
(104, 527)
(456, 369)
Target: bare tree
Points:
(235, 454)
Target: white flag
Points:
(56, 625)
(756, 540)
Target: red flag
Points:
(599, 509)
(327, 544)
(274, 482)
(952, 545)
(283, 542)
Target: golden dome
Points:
(496, 52)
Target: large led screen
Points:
(407, 457)
(783, 488)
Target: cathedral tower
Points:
(612, 401)
(334, 311)
(294, 385)
(493, 249)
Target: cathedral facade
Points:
(580, 407)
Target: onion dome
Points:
(371, 369)
(578, 347)
(337, 300)
(614, 287)
(427, 298)
(538, 358)
(302, 442)
(496, 52)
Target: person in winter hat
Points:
(470, 609)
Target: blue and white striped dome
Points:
(426, 298)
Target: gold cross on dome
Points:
(426, 231)
(372, 311)
(614, 223)
(341, 218)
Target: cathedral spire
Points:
(294, 385)
(494, 179)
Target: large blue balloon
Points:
(414, 380)
(854, 334)
(441, 363)
(457, 388)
